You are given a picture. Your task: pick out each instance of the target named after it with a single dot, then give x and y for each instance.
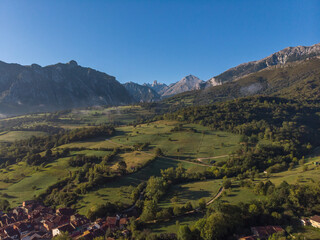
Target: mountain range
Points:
(25, 89)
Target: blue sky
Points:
(143, 41)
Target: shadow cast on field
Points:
(191, 195)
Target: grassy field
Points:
(298, 174)
(19, 135)
(191, 192)
(121, 188)
(29, 181)
(100, 115)
(239, 194)
(182, 145)
(133, 159)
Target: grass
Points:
(308, 232)
(297, 174)
(240, 194)
(191, 192)
(182, 145)
(89, 152)
(119, 114)
(27, 181)
(171, 226)
(133, 159)
(120, 189)
(19, 135)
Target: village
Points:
(32, 220)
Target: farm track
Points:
(197, 209)
(217, 196)
(200, 159)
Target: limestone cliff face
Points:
(287, 55)
(34, 88)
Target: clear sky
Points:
(142, 41)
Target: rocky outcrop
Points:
(287, 55)
(34, 88)
(187, 83)
(141, 93)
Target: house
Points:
(33, 235)
(23, 228)
(60, 220)
(80, 224)
(28, 202)
(48, 225)
(98, 223)
(65, 212)
(18, 211)
(12, 233)
(64, 228)
(123, 222)
(315, 221)
(112, 222)
(263, 232)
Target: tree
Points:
(4, 205)
(227, 184)
(48, 153)
(215, 228)
(149, 210)
(155, 188)
(184, 233)
(202, 203)
(159, 152)
(122, 167)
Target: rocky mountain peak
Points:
(73, 63)
(188, 83)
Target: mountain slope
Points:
(160, 88)
(298, 80)
(187, 83)
(141, 93)
(287, 55)
(33, 88)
